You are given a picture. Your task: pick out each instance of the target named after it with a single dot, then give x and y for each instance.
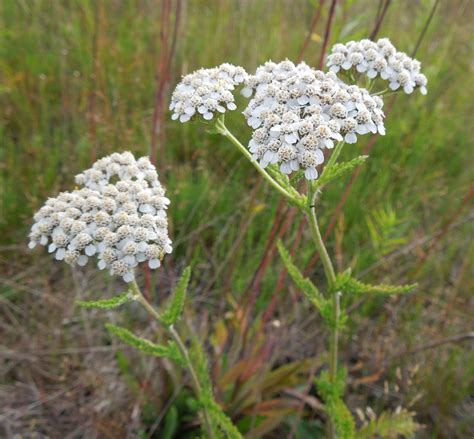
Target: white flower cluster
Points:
(380, 58)
(119, 216)
(206, 91)
(297, 112)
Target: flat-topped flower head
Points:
(298, 112)
(120, 222)
(379, 59)
(206, 92)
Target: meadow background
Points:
(82, 79)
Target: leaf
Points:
(348, 284)
(169, 351)
(170, 423)
(220, 422)
(304, 284)
(332, 392)
(342, 419)
(338, 169)
(176, 304)
(390, 425)
(115, 302)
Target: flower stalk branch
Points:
(139, 297)
(224, 131)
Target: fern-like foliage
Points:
(385, 229)
(164, 351)
(176, 303)
(347, 283)
(336, 409)
(304, 284)
(115, 302)
(221, 425)
(390, 426)
(338, 169)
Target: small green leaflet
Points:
(390, 425)
(115, 302)
(338, 412)
(176, 303)
(164, 351)
(338, 169)
(304, 284)
(348, 284)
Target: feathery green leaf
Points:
(176, 304)
(348, 284)
(338, 169)
(332, 392)
(304, 284)
(169, 351)
(221, 424)
(390, 425)
(115, 302)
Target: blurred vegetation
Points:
(78, 79)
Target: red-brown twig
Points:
(312, 27)
(379, 20)
(327, 33)
(92, 101)
(425, 28)
(448, 340)
(163, 71)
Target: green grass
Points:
(418, 174)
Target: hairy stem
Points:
(221, 127)
(181, 346)
(335, 295)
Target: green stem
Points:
(335, 295)
(181, 346)
(333, 158)
(221, 127)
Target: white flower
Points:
(206, 92)
(298, 112)
(121, 223)
(379, 59)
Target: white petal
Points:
(231, 106)
(60, 254)
(247, 92)
(154, 263)
(350, 138)
(372, 73)
(362, 129)
(285, 168)
(128, 277)
(90, 250)
(101, 264)
(32, 245)
(311, 174)
(319, 156)
(51, 248)
(82, 260)
(408, 89)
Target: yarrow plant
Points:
(119, 219)
(300, 119)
